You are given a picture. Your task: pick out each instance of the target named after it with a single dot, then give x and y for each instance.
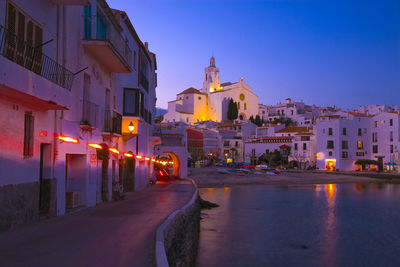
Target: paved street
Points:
(113, 234)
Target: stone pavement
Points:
(112, 234)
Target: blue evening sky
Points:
(327, 52)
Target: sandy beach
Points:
(209, 177)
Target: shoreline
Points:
(209, 177)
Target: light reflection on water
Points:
(305, 225)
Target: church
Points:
(211, 101)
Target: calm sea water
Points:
(308, 225)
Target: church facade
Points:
(211, 101)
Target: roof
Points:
(227, 84)
(185, 112)
(307, 133)
(357, 114)
(191, 90)
(294, 129)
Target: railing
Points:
(32, 58)
(90, 113)
(106, 31)
(112, 122)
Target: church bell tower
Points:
(211, 80)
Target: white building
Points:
(211, 101)
(83, 88)
(297, 143)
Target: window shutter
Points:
(11, 17)
(28, 134)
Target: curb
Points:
(161, 255)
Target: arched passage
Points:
(176, 166)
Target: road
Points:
(112, 234)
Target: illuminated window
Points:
(359, 145)
(245, 106)
(376, 124)
(241, 97)
(238, 104)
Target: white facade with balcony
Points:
(55, 84)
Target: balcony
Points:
(19, 51)
(112, 122)
(90, 114)
(108, 47)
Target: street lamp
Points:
(131, 127)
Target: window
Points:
(330, 132)
(345, 155)
(292, 112)
(101, 26)
(226, 143)
(391, 149)
(391, 122)
(28, 135)
(263, 112)
(238, 105)
(295, 146)
(87, 32)
(245, 106)
(323, 130)
(329, 144)
(237, 144)
(187, 97)
(241, 97)
(199, 97)
(344, 131)
(22, 29)
(359, 145)
(359, 132)
(133, 102)
(375, 149)
(253, 152)
(391, 136)
(330, 153)
(374, 137)
(360, 154)
(187, 119)
(376, 124)
(345, 145)
(304, 146)
(305, 138)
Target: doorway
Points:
(45, 179)
(75, 180)
(127, 174)
(330, 164)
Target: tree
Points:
(235, 111)
(252, 119)
(258, 120)
(232, 110)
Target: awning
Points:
(31, 101)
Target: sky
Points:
(326, 52)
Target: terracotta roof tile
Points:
(293, 129)
(191, 90)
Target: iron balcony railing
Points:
(21, 52)
(90, 114)
(112, 122)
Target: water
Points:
(308, 225)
